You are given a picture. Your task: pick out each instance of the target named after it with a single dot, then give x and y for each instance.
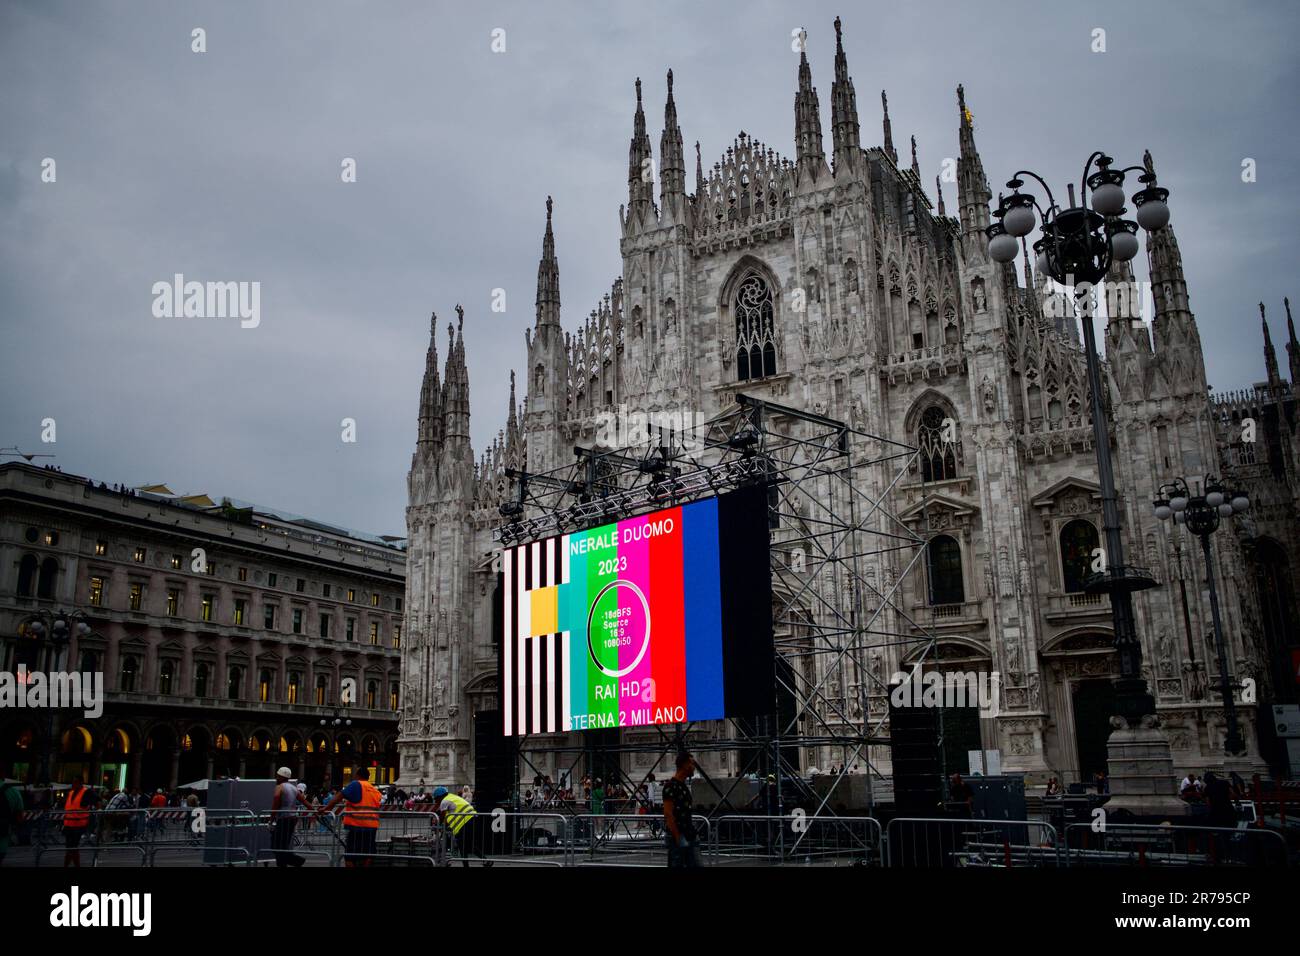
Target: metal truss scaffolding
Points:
(839, 558)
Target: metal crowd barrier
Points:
(272, 857)
(628, 839)
(948, 842)
(96, 853)
(411, 838)
(799, 839)
(143, 831)
(1165, 845)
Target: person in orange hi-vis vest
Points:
(76, 818)
(360, 818)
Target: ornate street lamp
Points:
(1077, 247)
(340, 716)
(1201, 514)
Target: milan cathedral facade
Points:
(831, 282)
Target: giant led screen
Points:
(660, 619)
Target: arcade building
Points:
(232, 639)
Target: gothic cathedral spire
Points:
(548, 369)
(548, 278)
(455, 390)
(808, 123)
(672, 164)
(640, 176)
(1292, 347)
(888, 129)
(430, 438)
(1177, 341)
(1270, 354)
(845, 133)
(973, 193)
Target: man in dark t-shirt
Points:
(683, 844)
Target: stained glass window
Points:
(1078, 540)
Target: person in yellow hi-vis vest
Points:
(463, 824)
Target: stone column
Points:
(174, 778)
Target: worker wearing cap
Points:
(360, 819)
(462, 823)
(284, 818)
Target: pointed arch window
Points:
(1078, 541)
(943, 558)
(755, 329)
(937, 440)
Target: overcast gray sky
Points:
(225, 166)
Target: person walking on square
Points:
(284, 819)
(683, 843)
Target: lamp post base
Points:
(1141, 767)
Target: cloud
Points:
(225, 166)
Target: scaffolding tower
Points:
(839, 560)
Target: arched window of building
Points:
(1078, 540)
(322, 688)
(27, 575)
(166, 677)
(49, 577)
(234, 682)
(755, 329)
(202, 674)
(295, 682)
(943, 556)
(264, 686)
(372, 694)
(130, 668)
(937, 439)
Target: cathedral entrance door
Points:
(1094, 704)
